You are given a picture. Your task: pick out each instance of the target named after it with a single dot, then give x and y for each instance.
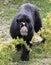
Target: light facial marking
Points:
(24, 31)
(23, 23)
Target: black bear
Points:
(26, 21)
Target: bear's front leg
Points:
(18, 47)
(25, 54)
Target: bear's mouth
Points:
(24, 33)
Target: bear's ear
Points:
(37, 21)
(17, 20)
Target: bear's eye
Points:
(20, 25)
(26, 24)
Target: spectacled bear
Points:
(25, 22)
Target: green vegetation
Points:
(40, 54)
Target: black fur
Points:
(29, 13)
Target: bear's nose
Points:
(24, 29)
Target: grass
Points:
(41, 54)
